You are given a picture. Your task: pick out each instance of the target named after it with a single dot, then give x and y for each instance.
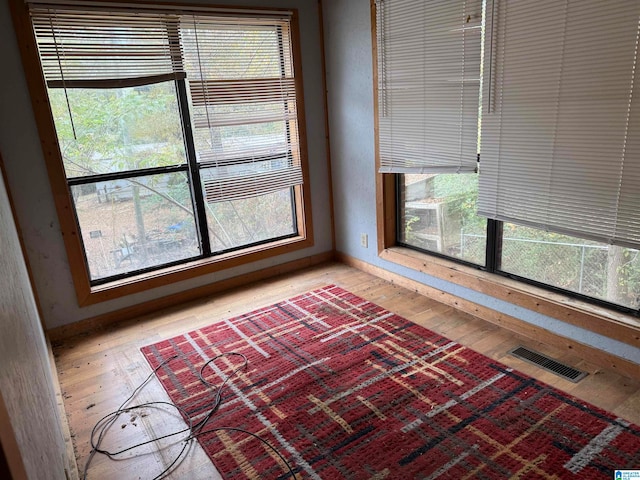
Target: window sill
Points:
(188, 270)
(608, 323)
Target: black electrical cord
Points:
(115, 415)
(218, 399)
(194, 430)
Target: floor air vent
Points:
(549, 364)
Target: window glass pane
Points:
(117, 129)
(235, 223)
(595, 269)
(438, 214)
(132, 224)
(218, 51)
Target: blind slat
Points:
(236, 187)
(270, 90)
(428, 85)
(560, 146)
(77, 44)
(243, 94)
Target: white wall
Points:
(347, 26)
(26, 382)
(28, 180)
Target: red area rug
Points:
(345, 389)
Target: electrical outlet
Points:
(364, 240)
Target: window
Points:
(179, 136)
(556, 135)
(437, 214)
(594, 269)
(127, 172)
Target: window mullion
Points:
(173, 36)
(494, 245)
(194, 172)
(397, 197)
(124, 175)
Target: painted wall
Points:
(26, 382)
(347, 26)
(28, 180)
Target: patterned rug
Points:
(345, 389)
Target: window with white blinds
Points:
(241, 80)
(178, 129)
(86, 48)
(561, 120)
(428, 59)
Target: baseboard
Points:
(598, 357)
(101, 321)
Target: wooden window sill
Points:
(611, 324)
(188, 270)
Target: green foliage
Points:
(112, 130)
(572, 263)
(461, 193)
(519, 231)
(629, 275)
(409, 233)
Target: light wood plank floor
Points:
(97, 371)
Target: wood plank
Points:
(71, 466)
(30, 427)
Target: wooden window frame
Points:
(607, 322)
(86, 293)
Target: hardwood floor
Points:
(99, 370)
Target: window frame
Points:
(398, 232)
(493, 259)
(88, 294)
(613, 321)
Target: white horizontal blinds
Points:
(428, 85)
(628, 219)
(81, 46)
(240, 75)
(561, 127)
